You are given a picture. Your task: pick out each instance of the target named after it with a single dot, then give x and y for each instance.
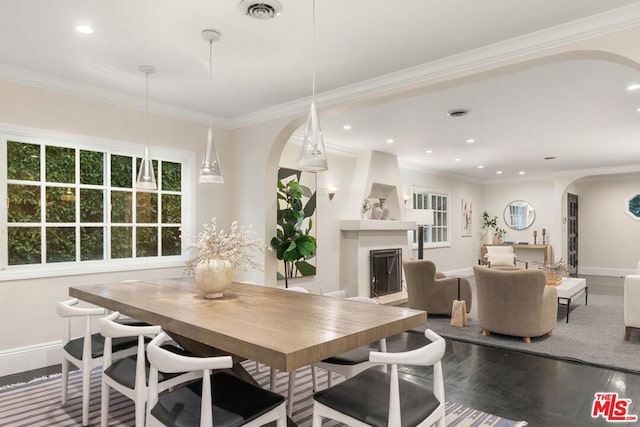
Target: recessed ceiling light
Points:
(498, 172)
(84, 29)
(346, 127)
(457, 159)
(521, 173)
(634, 86)
(470, 141)
(549, 157)
(429, 151)
(480, 166)
(390, 141)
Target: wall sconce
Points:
(406, 199)
(331, 191)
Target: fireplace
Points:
(386, 271)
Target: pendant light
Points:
(313, 157)
(210, 171)
(146, 178)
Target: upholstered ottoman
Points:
(631, 304)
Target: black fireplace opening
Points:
(386, 271)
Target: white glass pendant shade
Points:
(313, 156)
(210, 171)
(146, 178)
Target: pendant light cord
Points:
(210, 84)
(313, 51)
(146, 116)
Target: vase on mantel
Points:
(385, 209)
(213, 277)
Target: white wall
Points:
(27, 307)
(540, 194)
(608, 238)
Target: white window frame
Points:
(79, 142)
(442, 219)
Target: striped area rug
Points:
(37, 403)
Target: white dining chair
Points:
(129, 375)
(86, 351)
(219, 397)
(393, 398)
(350, 363)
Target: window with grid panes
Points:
(69, 204)
(438, 233)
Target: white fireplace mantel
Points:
(358, 237)
(375, 225)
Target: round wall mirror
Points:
(519, 215)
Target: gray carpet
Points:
(595, 335)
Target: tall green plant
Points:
(293, 242)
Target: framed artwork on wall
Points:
(295, 240)
(467, 217)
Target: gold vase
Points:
(213, 277)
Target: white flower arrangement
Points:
(234, 246)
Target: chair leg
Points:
(86, 392)
(485, 333)
(104, 405)
(627, 333)
(292, 385)
(317, 418)
(65, 380)
(272, 379)
(329, 379)
(527, 340)
(140, 409)
(314, 378)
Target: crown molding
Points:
(593, 26)
(66, 87)
(511, 49)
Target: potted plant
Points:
(490, 226)
(293, 242)
(219, 254)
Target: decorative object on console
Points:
(295, 241)
(494, 234)
(535, 237)
(210, 171)
(146, 177)
(218, 254)
(313, 157)
(544, 236)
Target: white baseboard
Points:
(604, 271)
(31, 357)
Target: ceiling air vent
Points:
(458, 113)
(265, 9)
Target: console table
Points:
(546, 250)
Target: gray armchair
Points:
(433, 292)
(515, 302)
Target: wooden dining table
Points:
(282, 329)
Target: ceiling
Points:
(578, 112)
